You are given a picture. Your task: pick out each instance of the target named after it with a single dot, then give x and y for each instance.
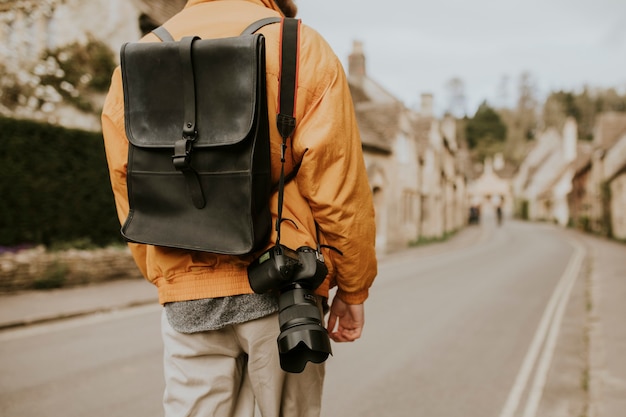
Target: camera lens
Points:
(303, 337)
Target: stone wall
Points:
(38, 268)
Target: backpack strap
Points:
(289, 40)
(259, 24)
(183, 147)
(163, 34)
(286, 117)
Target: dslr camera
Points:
(295, 274)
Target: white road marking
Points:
(547, 331)
(543, 368)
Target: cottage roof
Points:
(366, 89)
(583, 156)
(490, 183)
(582, 161)
(508, 171)
(377, 111)
(546, 192)
(378, 125)
(609, 128)
(422, 126)
(532, 170)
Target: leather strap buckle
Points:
(182, 154)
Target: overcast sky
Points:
(415, 46)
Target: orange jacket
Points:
(331, 186)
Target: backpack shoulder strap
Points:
(163, 34)
(286, 118)
(289, 44)
(259, 24)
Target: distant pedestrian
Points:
(474, 215)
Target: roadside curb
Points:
(10, 325)
(38, 307)
(28, 308)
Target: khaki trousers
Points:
(233, 371)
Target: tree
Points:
(521, 119)
(584, 106)
(485, 132)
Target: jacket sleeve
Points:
(333, 178)
(116, 147)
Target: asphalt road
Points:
(447, 332)
(450, 331)
(102, 365)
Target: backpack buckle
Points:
(182, 153)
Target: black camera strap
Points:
(286, 117)
(286, 114)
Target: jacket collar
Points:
(270, 4)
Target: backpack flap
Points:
(226, 79)
(199, 162)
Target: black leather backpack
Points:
(199, 146)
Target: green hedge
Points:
(54, 186)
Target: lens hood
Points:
(301, 344)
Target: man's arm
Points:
(116, 147)
(346, 321)
(332, 176)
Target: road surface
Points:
(451, 330)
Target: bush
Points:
(54, 185)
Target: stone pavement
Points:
(607, 356)
(607, 333)
(32, 307)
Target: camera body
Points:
(274, 269)
(280, 266)
(295, 274)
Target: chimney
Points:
(498, 161)
(426, 106)
(356, 61)
(488, 167)
(570, 138)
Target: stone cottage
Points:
(545, 177)
(578, 183)
(443, 199)
(413, 162)
(490, 190)
(606, 177)
(391, 156)
(615, 174)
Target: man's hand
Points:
(351, 320)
